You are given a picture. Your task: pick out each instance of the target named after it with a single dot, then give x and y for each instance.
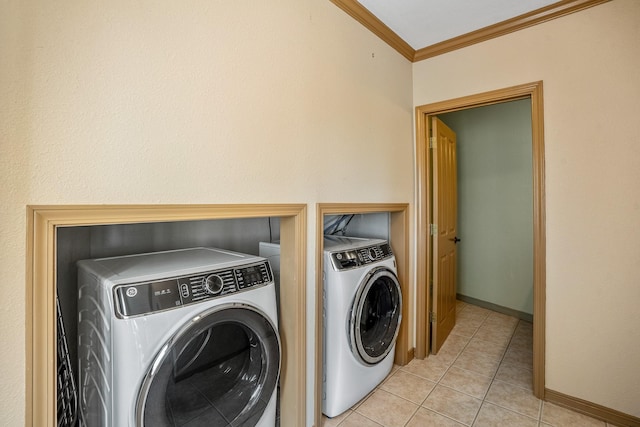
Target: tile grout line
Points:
(451, 365)
(494, 380)
(439, 379)
(412, 415)
(456, 358)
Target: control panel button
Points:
(213, 284)
(184, 290)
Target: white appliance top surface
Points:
(342, 243)
(149, 266)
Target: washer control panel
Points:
(353, 258)
(143, 298)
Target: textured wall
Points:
(589, 64)
(206, 102)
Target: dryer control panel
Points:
(353, 258)
(148, 297)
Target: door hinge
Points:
(433, 229)
(432, 317)
(431, 288)
(432, 142)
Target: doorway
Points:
(533, 92)
(495, 200)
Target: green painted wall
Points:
(495, 203)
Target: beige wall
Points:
(244, 102)
(211, 102)
(589, 63)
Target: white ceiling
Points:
(422, 23)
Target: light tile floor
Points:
(481, 377)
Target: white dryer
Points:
(178, 338)
(362, 314)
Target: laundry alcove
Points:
(57, 236)
(392, 220)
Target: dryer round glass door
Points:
(220, 369)
(375, 316)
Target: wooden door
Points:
(444, 233)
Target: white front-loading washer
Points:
(362, 306)
(178, 338)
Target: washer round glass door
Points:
(220, 369)
(375, 316)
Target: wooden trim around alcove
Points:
(399, 239)
(42, 223)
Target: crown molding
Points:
(556, 10)
(538, 16)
